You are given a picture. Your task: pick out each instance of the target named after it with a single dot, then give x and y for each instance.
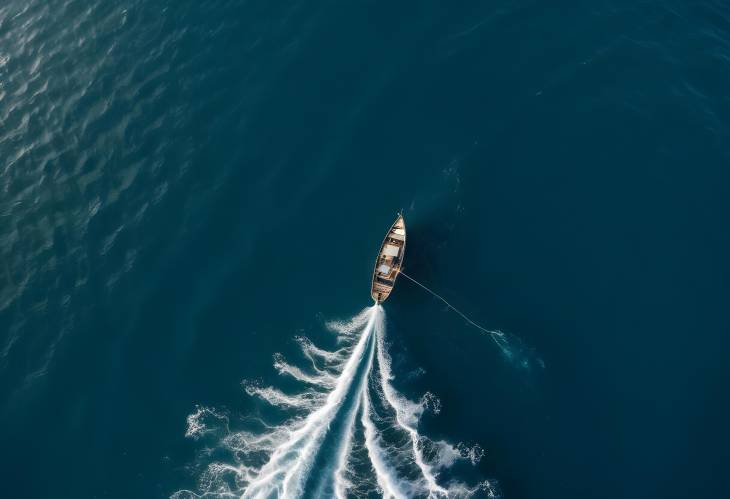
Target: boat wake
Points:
(345, 432)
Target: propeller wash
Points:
(346, 432)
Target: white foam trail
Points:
(407, 415)
(198, 423)
(285, 472)
(385, 474)
(317, 356)
(352, 326)
(340, 484)
(322, 379)
(306, 400)
(277, 460)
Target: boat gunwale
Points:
(380, 254)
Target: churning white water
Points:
(350, 432)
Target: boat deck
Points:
(389, 261)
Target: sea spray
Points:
(386, 476)
(287, 469)
(332, 443)
(407, 415)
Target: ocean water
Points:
(192, 194)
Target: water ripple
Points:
(75, 81)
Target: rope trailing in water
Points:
(467, 319)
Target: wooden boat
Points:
(389, 261)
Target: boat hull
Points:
(389, 261)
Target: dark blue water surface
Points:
(187, 185)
